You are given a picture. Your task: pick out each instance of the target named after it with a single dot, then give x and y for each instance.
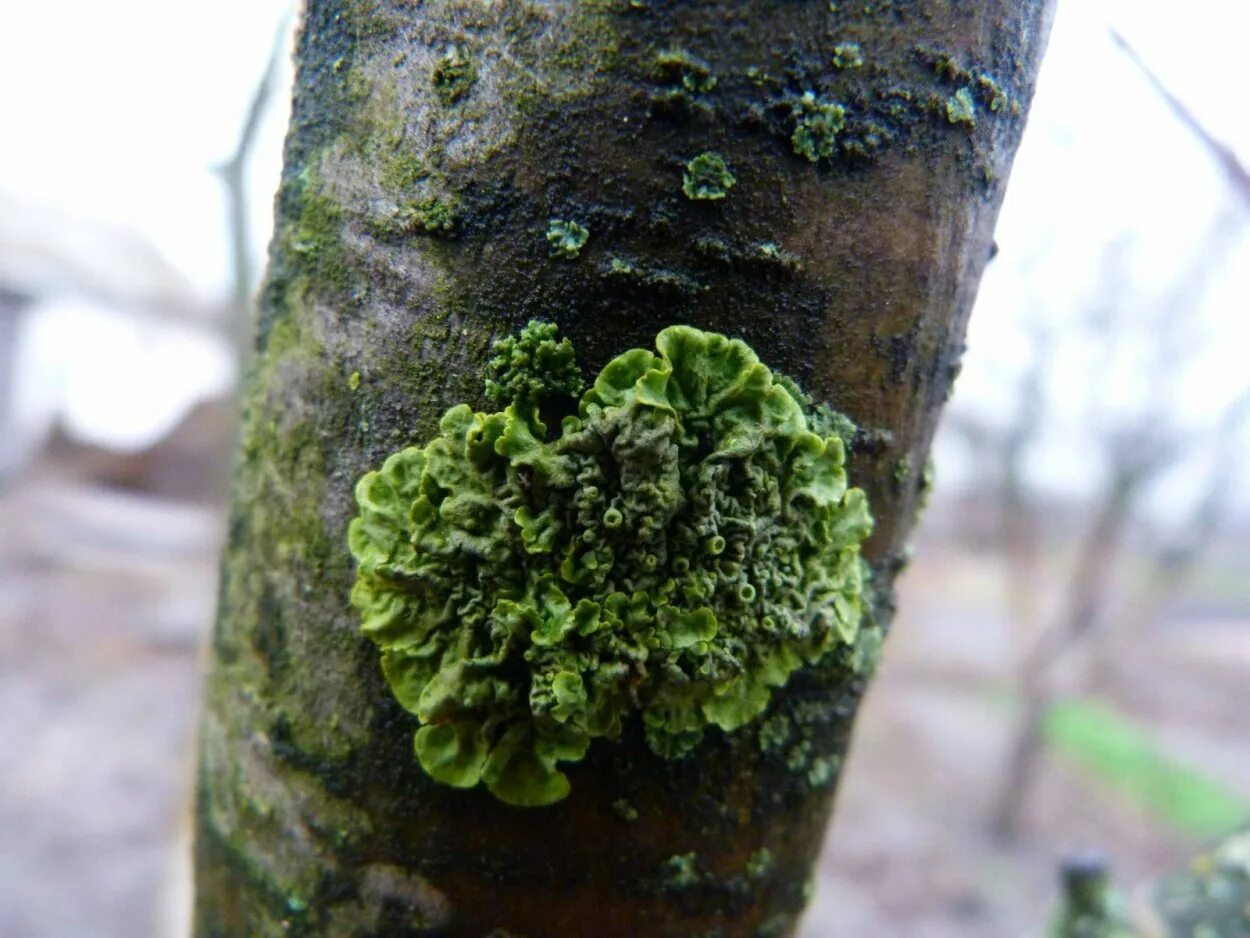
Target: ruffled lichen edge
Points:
(682, 545)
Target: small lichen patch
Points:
(453, 75)
(707, 176)
(962, 109)
(431, 216)
(353, 381)
(817, 123)
(773, 253)
(759, 863)
(567, 238)
(677, 67)
(902, 469)
(994, 95)
(680, 871)
(927, 479)
(847, 55)
(681, 546)
(653, 280)
(531, 366)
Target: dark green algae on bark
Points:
(431, 144)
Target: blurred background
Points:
(1070, 669)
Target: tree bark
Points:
(430, 146)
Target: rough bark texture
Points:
(430, 145)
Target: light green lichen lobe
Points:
(847, 55)
(683, 544)
(961, 108)
(680, 68)
(817, 123)
(707, 177)
(566, 238)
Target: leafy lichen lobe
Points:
(817, 123)
(847, 55)
(961, 108)
(567, 238)
(707, 177)
(683, 544)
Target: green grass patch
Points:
(1124, 755)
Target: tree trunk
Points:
(431, 146)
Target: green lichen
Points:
(680, 871)
(789, 739)
(902, 470)
(531, 366)
(1211, 898)
(759, 863)
(795, 737)
(353, 381)
(928, 477)
(653, 280)
(847, 55)
(996, 99)
(685, 79)
(707, 176)
(945, 65)
(774, 253)
(431, 216)
(673, 554)
(453, 75)
(962, 109)
(677, 67)
(817, 123)
(566, 237)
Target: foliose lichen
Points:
(847, 55)
(567, 238)
(685, 81)
(707, 176)
(759, 863)
(681, 546)
(817, 123)
(678, 67)
(680, 871)
(531, 366)
(996, 98)
(961, 108)
(1211, 897)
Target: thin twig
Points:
(1236, 172)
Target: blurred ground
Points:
(106, 594)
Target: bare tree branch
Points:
(1235, 171)
(233, 176)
